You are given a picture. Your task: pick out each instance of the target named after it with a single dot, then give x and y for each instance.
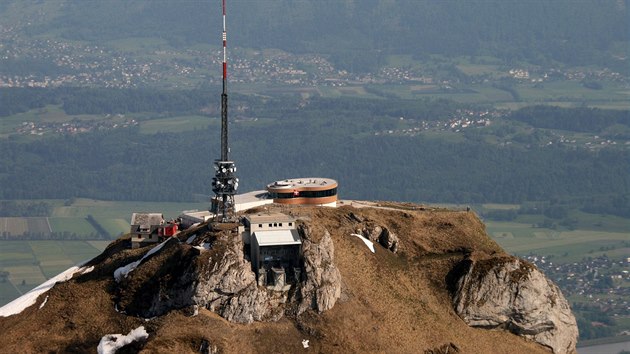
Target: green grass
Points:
(78, 251)
(15, 253)
(35, 261)
(72, 225)
(564, 246)
(572, 91)
(122, 210)
(177, 124)
(46, 250)
(8, 292)
(114, 226)
(138, 44)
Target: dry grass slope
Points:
(390, 303)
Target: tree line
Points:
(125, 165)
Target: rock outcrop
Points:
(379, 234)
(509, 293)
(219, 278)
(322, 287)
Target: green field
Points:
(70, 219)
(30, 263)
(564, 246)
(177, 124)
(101, 209)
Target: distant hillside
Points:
(356, 34)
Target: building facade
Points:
(311, 191)
(275, 248)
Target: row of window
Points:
(304, 194)
(275, 224)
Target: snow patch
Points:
(122, 272)
(110, 343)
(204, 247)
(305, 343)
(43, 302)
(367, 242)
(87, 270)
(18, 305)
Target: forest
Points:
(323, 137)
(357, 35)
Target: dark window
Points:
(290, 224)
(305, 194)
(259, 226)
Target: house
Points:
(145, 228)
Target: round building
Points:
(311, 191)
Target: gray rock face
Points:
(219, 278)
(322, 287)
(381, 235)
(509, 293)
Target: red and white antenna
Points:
(224, 118)
(224, 49)
(224, 183)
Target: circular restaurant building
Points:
(312, 191)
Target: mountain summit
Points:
(374, 278)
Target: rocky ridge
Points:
(435, 276)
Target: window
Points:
(290, 224)
(270, 225)
(275, 224)
(280, 224)
(260, 226)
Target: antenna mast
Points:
(224, 120)
(224, 182)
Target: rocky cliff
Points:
(435, 283)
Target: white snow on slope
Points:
(110, 343)
(44, 302)
(18, 305)
(367, 242)
(122, 272)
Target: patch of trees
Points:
(13, 208)
(98, 227)
(75, 100)
(64, 235)
(581, 119)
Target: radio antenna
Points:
(224, 182)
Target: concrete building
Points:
(145, 228)
(311, 191)
(242, 202)
(274, 247)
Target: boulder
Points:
(512, 294)
(382, 235)
(388, 240)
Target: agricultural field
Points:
(31, 263)
(69, 220)
(12, 226)
(565, 246)
(177, 124)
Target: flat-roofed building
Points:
(311, 191)
(265, 222)
(275, 248)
